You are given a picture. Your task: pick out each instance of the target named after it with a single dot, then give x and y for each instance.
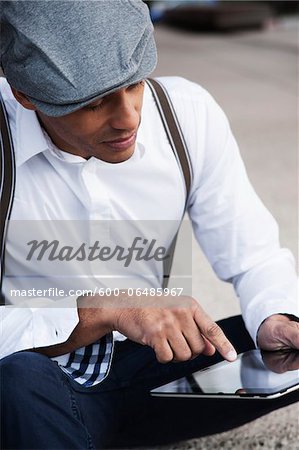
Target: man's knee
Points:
(38, 410)
(22, 371)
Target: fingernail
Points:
(231, 355)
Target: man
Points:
(90, 147)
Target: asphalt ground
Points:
(253, 75)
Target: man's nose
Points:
(125, 114)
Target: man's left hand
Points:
(278, 332)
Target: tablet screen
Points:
(247, 376)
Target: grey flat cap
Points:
(66, 54)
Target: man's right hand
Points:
(177, 328)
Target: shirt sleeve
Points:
(237, 233)
(24, 327)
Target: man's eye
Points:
(95, 107)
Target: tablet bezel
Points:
(231, 396)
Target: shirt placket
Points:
(99, 210)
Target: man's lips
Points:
(122, 144)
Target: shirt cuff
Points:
(267, 309)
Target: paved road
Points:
(253, 75)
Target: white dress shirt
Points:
(235, 230)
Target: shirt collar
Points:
(29, 136)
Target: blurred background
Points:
(246, 55)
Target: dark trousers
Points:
(41, 408)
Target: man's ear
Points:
(21, 98)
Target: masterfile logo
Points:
(140, 250)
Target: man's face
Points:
(105, 129)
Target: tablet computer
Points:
(246, 377)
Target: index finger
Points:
(213, 333)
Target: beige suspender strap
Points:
(7, 184)
(179, 148)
